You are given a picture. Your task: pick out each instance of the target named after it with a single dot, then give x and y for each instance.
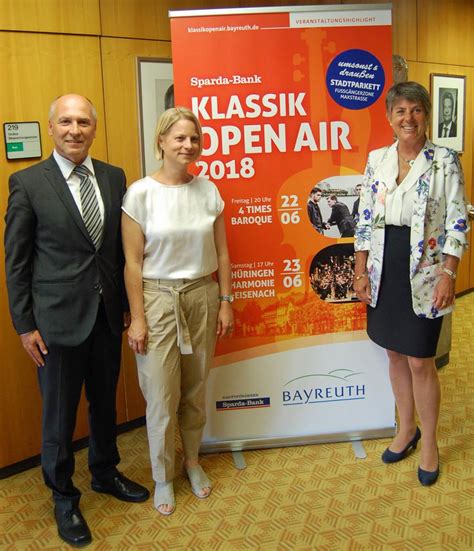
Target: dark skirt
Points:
(393, 324)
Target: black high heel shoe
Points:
(389, 456)
(427, 478)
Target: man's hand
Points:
(34, 345)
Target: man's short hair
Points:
(448, 95)
(333, 197)
(315, 190)
(52, 107)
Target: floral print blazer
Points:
(438, 224)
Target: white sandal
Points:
(199, 480)
(164, 495)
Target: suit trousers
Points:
(95, 364)
(172, 379)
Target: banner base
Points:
(285, 441)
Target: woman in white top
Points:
(410, 236)
(174, 240)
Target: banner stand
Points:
(255, 444)
(290, 100)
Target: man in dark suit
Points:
(64, 266)
(447, 128)
(341, 216)
(355, 206)
(314, 212)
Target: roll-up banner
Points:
(291, 101)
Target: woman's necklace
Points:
(409, 162)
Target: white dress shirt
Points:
(400, 198)
(73, 181)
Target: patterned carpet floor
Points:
(306, 498)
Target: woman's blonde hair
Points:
(166, 121)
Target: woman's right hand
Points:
(361, 287)
(138, 336)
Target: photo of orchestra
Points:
(332, 272)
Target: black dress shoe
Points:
(72, 527)
(389, 456)
(122, 488)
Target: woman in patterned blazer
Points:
(409, 239)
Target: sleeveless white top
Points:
(178, 224)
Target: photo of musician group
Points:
(332, 273)
(333, 205)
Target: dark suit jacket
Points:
(341, 216)
(355, 209)
(315, 216)
(453, 131)
(54, 274)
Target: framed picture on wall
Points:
(448, 94)
(155, 95)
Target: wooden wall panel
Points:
(39, 68)
(404, 28)
(51, 16)
(148, 18)
(266, 3)
(446, 31)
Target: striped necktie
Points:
(90, 206)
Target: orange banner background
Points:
(261, 56)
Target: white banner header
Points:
(362, 18)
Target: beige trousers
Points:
(182, 322)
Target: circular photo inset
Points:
(333, 205)
(332, 273)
